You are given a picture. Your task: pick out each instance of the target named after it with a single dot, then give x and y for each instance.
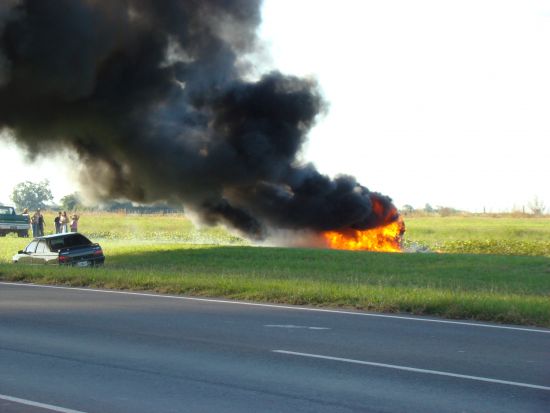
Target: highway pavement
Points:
(81, 350)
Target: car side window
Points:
(31, 247)
(57, 244)
(42, 247)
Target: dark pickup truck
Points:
(61, 249)
(12, 222)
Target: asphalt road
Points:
(69, 350)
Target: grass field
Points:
(482, 234)
(168, 254)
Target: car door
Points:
(29, 251)
(51, 257)
(43, 255)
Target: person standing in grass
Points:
(34, 224)
(25, 213)
(27, 216)
(64, 222)
(57, 223)
(74, 223)
(40, 223)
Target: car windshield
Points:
(73, 240)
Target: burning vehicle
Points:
(387, 237)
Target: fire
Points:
(386, 238)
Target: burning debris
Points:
(387, 237)
(151, 98)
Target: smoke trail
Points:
(151, 97)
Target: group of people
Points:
(36, 221)
(63, 223)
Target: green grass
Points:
(481, 234)
(167, 254)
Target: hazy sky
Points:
(440, 102)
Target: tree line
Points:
(38, 195)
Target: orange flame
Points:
(387, 238)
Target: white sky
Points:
(440, 102)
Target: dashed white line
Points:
(292, 326)
(37, 404)
(414, 370)
(283, 307)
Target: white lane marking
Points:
(292, 326)
(36, 404)
(414, 370)
(283, 307)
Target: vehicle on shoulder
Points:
(61, 249)
(10, 221)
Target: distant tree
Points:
(129, 207)
(536, 206)
(31, 195)
(447, 211)
(407, 209)
(70, 202)
(429, 209)
(114, 206)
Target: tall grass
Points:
(481, 234)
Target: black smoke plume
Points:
(152, 98)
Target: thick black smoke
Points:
(151, 97)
